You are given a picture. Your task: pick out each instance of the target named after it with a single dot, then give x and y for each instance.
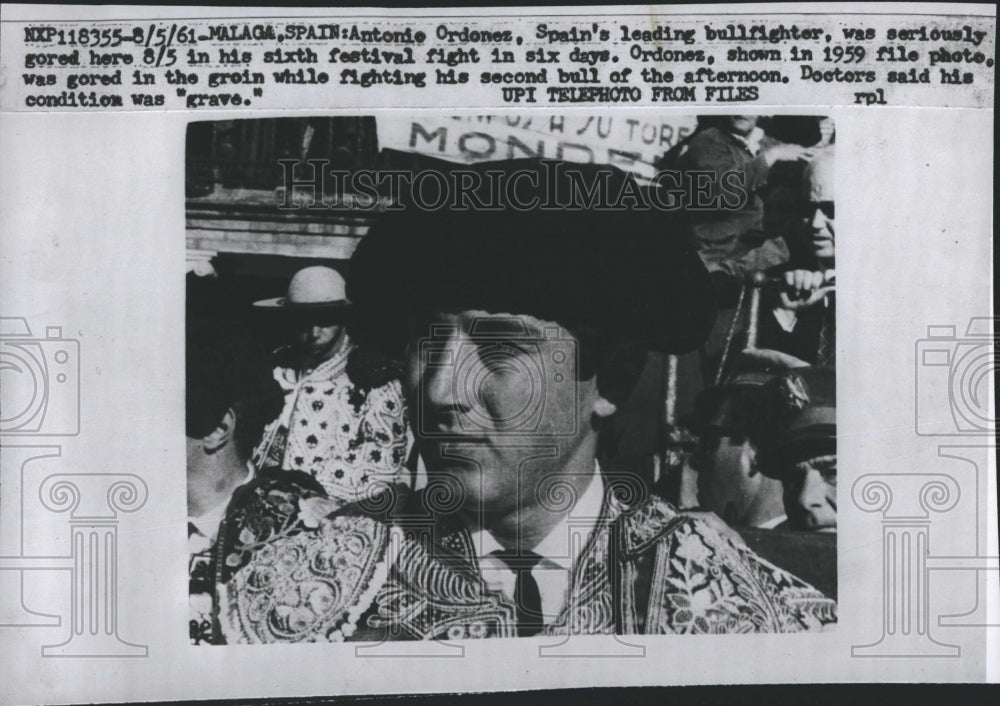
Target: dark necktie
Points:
(527, 599)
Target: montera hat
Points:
(311, 289)
(623, 273)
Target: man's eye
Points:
(501, 357)
(495, 347)
(518, 348)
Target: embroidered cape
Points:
(275, 505)
(646, 569)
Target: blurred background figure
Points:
(803, 321)
(729, 480)
(733, 243)
(230, 397)
(770, 234)
(344, 419)
(798, 445)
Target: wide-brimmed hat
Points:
(311, 289)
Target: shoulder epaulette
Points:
(642, 526)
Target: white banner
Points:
(634, 143)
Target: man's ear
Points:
(603, 407)
(222, 434)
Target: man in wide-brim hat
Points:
(521, 329)
(316, 308)
(349, 434)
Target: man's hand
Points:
(805, 288)
(784, 152)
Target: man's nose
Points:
(309, 332)
(818, 219)
(438, 373)
(814, 502)
(813, 492)
(436, 386)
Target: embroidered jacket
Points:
(274, 505)
(350, 437)
(645, 569)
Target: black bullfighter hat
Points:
(621, 271)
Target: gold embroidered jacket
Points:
(645, 570)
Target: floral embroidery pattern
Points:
(349, 438)
(263, 512)
(301, 585)
(310, 587)
(699, 583)
(269, 507)
(709, 585)
(432, 597)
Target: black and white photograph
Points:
(501, 376)
(444, 352)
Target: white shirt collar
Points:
(559, 551)
(558, 546)
(773, 522)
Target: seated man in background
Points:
(230, 397)
(520, 330)
(799, 445)
(731, 242)
(803, 315)
(343, 422)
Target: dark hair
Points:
(228, 370)
(616, 365)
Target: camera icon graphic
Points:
(954, 380)
(504, 377)
(39, 381)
